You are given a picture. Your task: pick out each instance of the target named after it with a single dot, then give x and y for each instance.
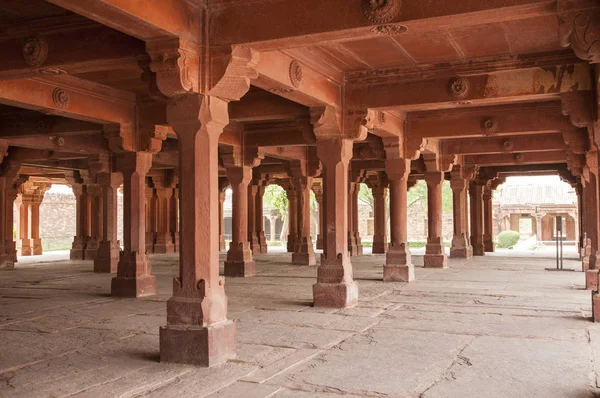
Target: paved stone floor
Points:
(492, 327)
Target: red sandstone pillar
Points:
(79, 240)
(36, 241)
(174, 216)
(398, 261)
(591, 254)
(8, 194)
(260, 222)
(23, 232)
(198, 331)
(335, 286)
(461, 248)
(151, 210)
(305, 252)
(380, 241)
(252, 228)
(435, 253)
(355, 230)
(134, 274)
(488, 223)
(95, 221)
(164, 239)
(292, 220)
(352, 249)
(318, 190)
(222, 246)
(239, 257)
(476, 196)
(107, 256)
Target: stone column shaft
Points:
(321, 232)
(476, 194)
(260, 222)
(461, 248)
(292, 220)
(380, 240)
(107, 255)
(222, 246)
(174, 216)
(95, 221)
(252, 227)
(435, 254)
(488, 223)
(24, 244)
(239, 257)
(398, 262)
(335, 285)
(164, 239)
(80, 239)
(134, 272)
(305, 252)
(591, 220)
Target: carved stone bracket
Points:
(176, 64)
(579, 28)
(235, 156)
(233, 72)
(579, 106)
(120, 137)
(413, 145)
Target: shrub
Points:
(507, 239)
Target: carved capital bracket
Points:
(191, 113)
(579, 28)
(576, 140)
(413, 146)
(326, 123)
(120, 137)
(233, 72)
(579, 106)
(236, 156)
(575, 163)
(176, 64)
(98, 164)
(434, 162)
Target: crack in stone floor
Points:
(491, 327)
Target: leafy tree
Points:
(365, 195)
(276, 197)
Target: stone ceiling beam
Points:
(28, 155)
(292, 23)
(91, 49)
(257, 107)
(517, 158)
(80, 144)
(514, 119)
(33, 123)
(143, 19)
(493, 145)
(70, 97)
(281, 74)
(529, 84)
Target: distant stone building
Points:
(533, 209)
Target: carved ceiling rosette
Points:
(458, 87)
(579, 28)
(35, 51)
(60, 98)
(489, 125)
(295, 72)
(381, 11)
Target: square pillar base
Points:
(435, 261)
(595, 307)
(163, 248)
(461, 252)
(488, 246)
(195, 345)
(133, 287)
(37, 247)
(7, 261)
(335, 295)
(380, 248)
(591, 279)
(304, 259)
(240, 269)
(398, 273)
(478, 250)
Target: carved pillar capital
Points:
(579, 28)
(176, 64)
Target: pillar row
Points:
(107, 256)
(304, 253)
